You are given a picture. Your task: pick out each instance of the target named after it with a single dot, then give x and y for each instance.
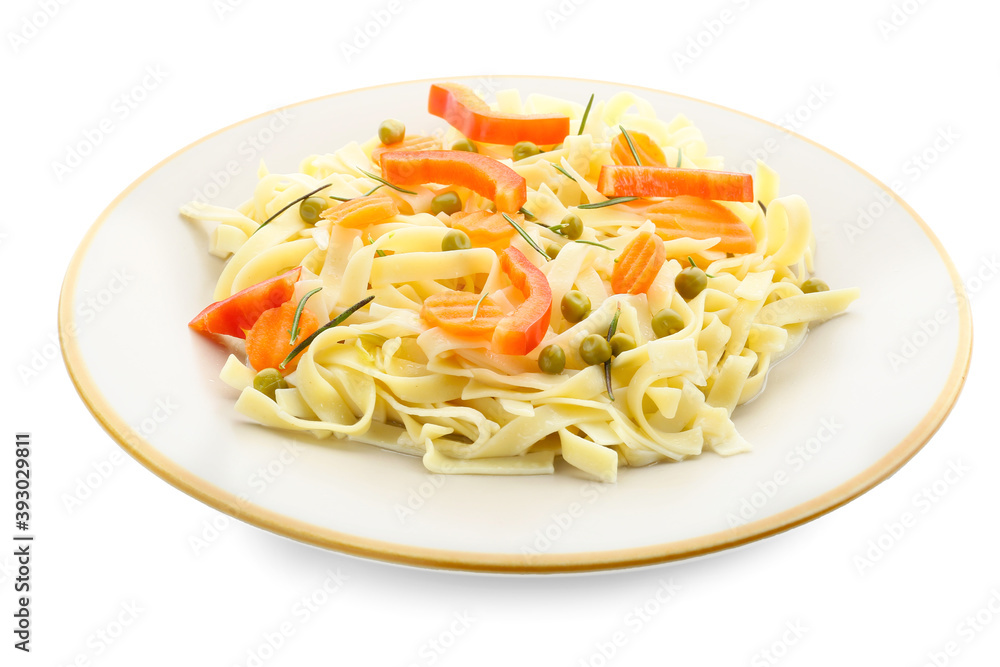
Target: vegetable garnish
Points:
(462, 314)
(233, 316)
(628, 180)
(291, 204)
(562, 171)
(345, 199)
(593, 243)
(609, 202)
(762, 207)
(528, 215)
(481, 174)
(385, 182)
(639, 264)
(586, 114)
(485, 229)
(329, 325)
(680, 157)
(361, 212)
(298, 314)
(695, 266)
(475, 311)
(631, 146)
(378, 251)
(267, 340)
(414, 143)
(524, 235)
(607, 364)
(470, 115)
(522, 330)
(697, 218)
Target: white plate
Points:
(836, 418)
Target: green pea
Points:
(571, 226)
(575, 306)
(595, 349)
(552, 360)
(690, 282)
(268, 381)
(391, 131)
(525, 149)
(446, 202)
(667, 322)
(465, 145)
(455, 239)
(814, 285)
(310, 209)
(621, 342)
(552, 250)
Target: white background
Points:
(881, 95)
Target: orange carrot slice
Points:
(648, 151)
(638, 264)
(659, 181)
(417, 142)
(486, 229)
(452, 311)
(361, 212)
(697, 218)
(269, 339)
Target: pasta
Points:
(388, 376)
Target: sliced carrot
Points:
(269, 339)
(417, 142)
(361, 212)
(697, 218)
(486, 229)
(638, 264)
(470, 115)
(452, 311)
(649, 152)
(659, 181)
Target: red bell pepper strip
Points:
(238, 313)
(467, 113)
(520, 332)
(656, 181)
(481, 174)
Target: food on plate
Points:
(541, 280)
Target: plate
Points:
(861, 397)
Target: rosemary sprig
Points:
(586, 114)
(631, 146)
(762, 207)
(378, 251)
(329, 325)
(528, 215)
(475, 311)
(695, 266)
(385, 182)
(563, 171)
(609, 202)
(289, 205)
(680, 157)
(607, 364)
(593, 243)
(525, 236)
(294, 333)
